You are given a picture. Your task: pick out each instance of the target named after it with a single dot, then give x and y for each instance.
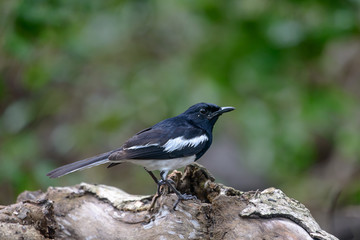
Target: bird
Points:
(170, 144)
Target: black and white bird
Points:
(170, 144)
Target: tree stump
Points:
(87, 211)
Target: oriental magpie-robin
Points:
(170, 144)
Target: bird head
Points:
(205, 115)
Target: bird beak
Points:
(221, 111)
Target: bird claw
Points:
(183, 197)
(180, 196)
(164, 182)
(171, 181)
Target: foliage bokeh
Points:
(79, 77)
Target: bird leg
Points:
(152, 176)
(170, 183)
(159, 183)
(157, 192)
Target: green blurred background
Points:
(79, 77)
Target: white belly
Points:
(162, 164)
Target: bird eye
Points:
(202, 111)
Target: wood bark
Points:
(87, 211)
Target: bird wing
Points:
(163, 143)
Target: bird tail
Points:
(80, 165)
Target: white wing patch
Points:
(142, 146)
(181, 142)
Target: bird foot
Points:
(164, 182)
(171, 184)
(160, 183)
(183, 197)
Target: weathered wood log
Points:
(87, 211)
